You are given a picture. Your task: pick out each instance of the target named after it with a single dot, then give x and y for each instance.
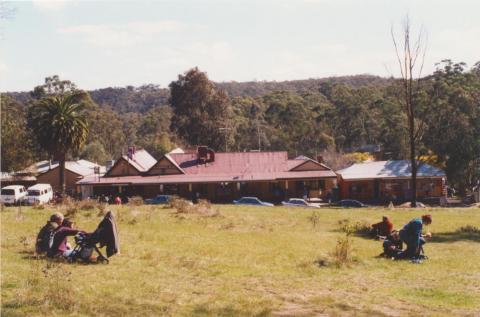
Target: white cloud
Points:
(50, 5)
(123, 35)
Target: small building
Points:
(385, 181)
(7, 179)
(218, 177)
(49, 173)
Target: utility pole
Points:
(226, 137)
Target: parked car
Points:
(39, 194)
(253, 201)
(13, 194)
(158, 200)
(298, 202)
(351, 203)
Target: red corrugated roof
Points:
(234, 163)
(227, 167)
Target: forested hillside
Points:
(315, 116)
(141, 99)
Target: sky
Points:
(119, 43)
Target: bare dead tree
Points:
(410, 57)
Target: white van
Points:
(39, 194)
(13, 194)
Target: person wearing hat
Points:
(411, 235)
(59, 245)
(43, 236)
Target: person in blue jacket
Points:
(411, 235)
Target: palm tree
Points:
(60, 126)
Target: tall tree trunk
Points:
(413, 162)
(407, 58)
(61, 161)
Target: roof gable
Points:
(122, 167)
(141, 161)
(309, 165)
(166, 165)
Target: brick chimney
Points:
(205, 154)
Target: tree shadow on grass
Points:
(455, 236)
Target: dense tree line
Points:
(310, 117)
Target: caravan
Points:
(39, 194)
(13, 194)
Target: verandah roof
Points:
(174, 179)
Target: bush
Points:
(359, 228)
(71, 211)
(181, 205)
(102, 210)
(468, 229)
(87, 204)
(342, 255)
(135, 201)
(314, 219)
(203, 208)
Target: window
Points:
(315, 184)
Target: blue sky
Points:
(111, 43)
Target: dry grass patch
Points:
(203, 208)
(249, 261)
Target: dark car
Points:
(351, 203)
(160, 199)
(253, 201)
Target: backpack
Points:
(45, 237)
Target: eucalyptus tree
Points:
(200, 109)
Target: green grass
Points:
(250, 261)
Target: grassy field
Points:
(248, 261)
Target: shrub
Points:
(38, 207)
(342, 255)
(181, 205)
(468, 229)
(67, 200)
(71, 211)
(314, 219)
(102, 209)
(203, 208)
(135, 201)
(359, 228)
(87, 204)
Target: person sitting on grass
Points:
(383, 228)
(392, 245)
(58, 243)
(43, 236)
(411, 234)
